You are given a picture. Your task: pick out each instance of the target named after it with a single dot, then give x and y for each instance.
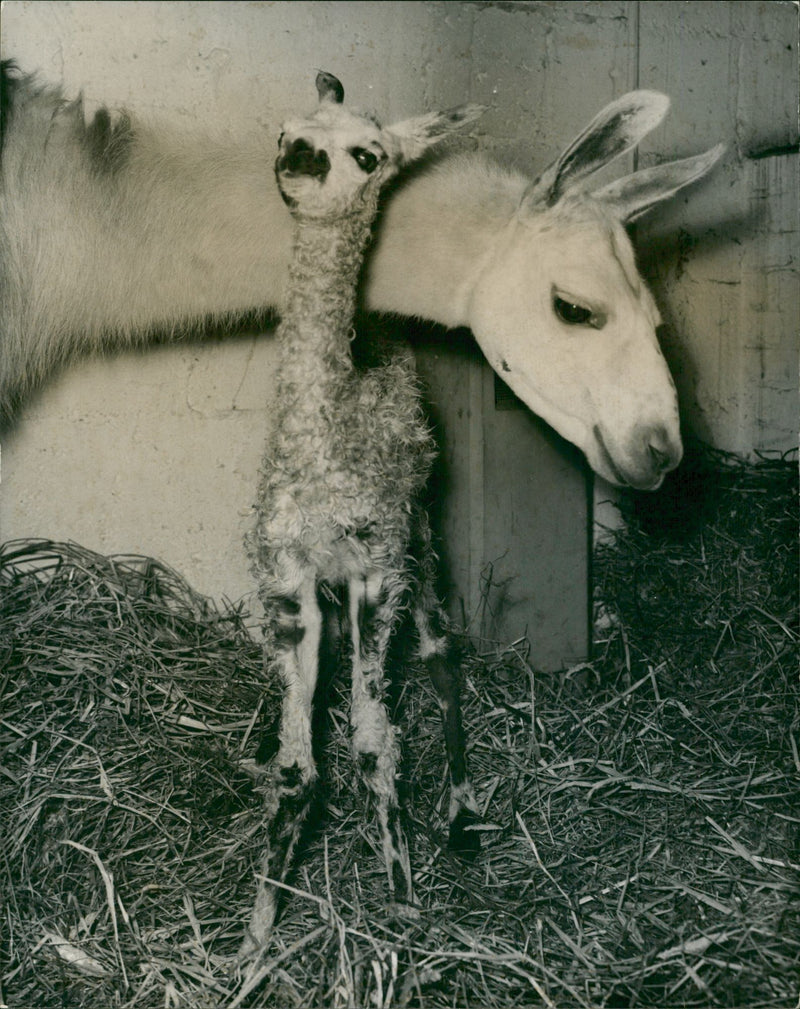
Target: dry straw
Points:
(641, 811)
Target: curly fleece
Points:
(351, 450)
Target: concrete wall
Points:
(726, 266)
(156, 453)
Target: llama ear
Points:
(618, 128)
(329, 88)
(415, 136)
(635, 194)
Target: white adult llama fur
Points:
(339, 503)
(115, 230)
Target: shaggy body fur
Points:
(339, 502)
(113, 230)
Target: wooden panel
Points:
(511, 506)
(536, 522)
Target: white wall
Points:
(157, 453)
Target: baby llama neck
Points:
(317, 320)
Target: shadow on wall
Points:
(664, 252)
(244, 325)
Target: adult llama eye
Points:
(571, 313)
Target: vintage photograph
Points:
(399, 504)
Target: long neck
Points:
(318, 312)
(178, 229)
(181, 228)
(435, 235)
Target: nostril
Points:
(298, 147)
(663, 451)
(296, 153)
(298, 157)
(322, 164)
(301, 159)
(660, 459)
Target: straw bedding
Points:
(641, 842)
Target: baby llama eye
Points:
(365, 159)
(570, 313)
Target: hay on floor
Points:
(641, 842)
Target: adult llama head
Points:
(591, 366)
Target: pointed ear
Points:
(329, 88)
(618, 128)
(635, 194)
(415, 136)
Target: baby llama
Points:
(338, 505)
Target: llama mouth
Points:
(619, 476)
(290, 201)
(605, 455)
